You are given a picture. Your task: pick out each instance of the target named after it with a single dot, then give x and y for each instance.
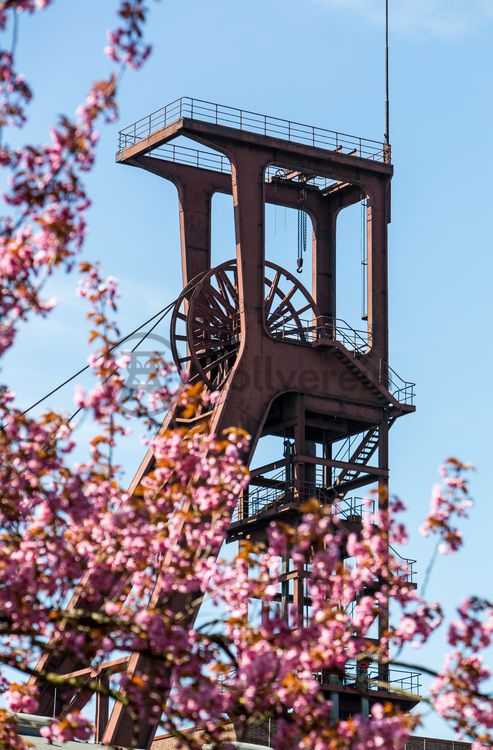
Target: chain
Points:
(302, 229)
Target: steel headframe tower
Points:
(284, 364)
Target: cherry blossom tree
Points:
(63, 521)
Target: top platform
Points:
(250, 122)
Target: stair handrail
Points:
(356, 341)
(402, 390)
(409, 564)
(339, 329)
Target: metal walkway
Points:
(251, 122)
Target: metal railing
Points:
(216, 162)
(399, 680)
(193, 157)
(335, 329)
(407, 570)
(357, 342)
(338, 329)
(353, 507)
(426, 743)
(252, 122)
(268, 498)
(254, 502)
(347, 447)
(263, 498)
(402, 390)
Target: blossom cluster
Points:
(47, 223)
(126, 44)
(450, 500)
(148, 556)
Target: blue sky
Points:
(320, 62)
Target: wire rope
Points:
(162, 313)
(165, 311)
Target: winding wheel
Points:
(205, 325)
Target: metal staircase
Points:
(364, 451)
(361, 455)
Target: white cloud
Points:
(446, 19)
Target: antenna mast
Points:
(387, 86)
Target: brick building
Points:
(262, 734)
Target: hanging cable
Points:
(364, 260)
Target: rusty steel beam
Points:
(268, 467)
(296, 155)
(316, 460)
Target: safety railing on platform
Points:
(407, 570)
(339, 330)
(258, 500)
(402, 390)
(193, 157)
(353, 507)
(216, 162)
(427, 743)
(356, 342)
(335, 329)
(252, 122)
(399, 680)
(255, 501)
(263, 498)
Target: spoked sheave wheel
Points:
(289, 310)
(178, 326)
(206, 319)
